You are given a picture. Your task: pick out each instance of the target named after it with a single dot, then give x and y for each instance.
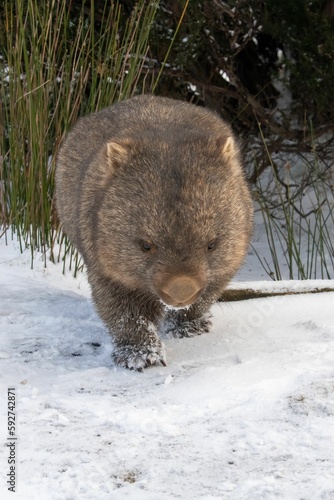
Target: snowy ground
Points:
(245, 412)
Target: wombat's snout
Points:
(180, 291)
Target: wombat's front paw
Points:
(138, 357)
(178, 327)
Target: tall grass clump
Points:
(54, 66)
(298, 218)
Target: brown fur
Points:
(152, 193)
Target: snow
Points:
(224, 75)
(244, 412)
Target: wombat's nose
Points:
(180, 291)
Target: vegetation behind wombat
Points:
(152, 193)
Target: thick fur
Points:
(151, 191)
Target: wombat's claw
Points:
(139, 357)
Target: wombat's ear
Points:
(227, 146)
(117, 153)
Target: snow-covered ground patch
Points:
(244, 412)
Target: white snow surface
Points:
(244, 412)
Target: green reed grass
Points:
(53, 68)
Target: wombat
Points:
(152, 193)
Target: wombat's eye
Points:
(212, 245)
(145, 246)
